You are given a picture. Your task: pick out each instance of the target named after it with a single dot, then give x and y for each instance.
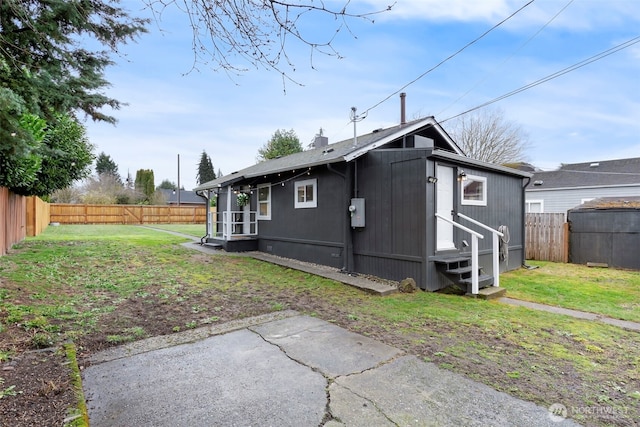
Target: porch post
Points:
(496, 261)
(227, 218)
(474, 264)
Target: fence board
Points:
(126, 214)
(546, 237)
(12, 219)
(37, 215)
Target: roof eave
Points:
(477, 163)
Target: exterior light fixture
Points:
(462, 176)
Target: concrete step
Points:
(491, 292)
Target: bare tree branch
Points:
(235, 35)
(486, 135)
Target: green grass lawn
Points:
(66, 283)
(196, 230)
(609, 292)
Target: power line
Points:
(552, 76)
(533, 36)
(447, 59)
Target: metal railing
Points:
(474, 251)
(495, 250)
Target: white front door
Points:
(444, 206)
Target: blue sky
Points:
(589, 114)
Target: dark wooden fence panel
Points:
(547, 237)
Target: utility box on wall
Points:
(357, 212)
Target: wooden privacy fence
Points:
(546, 237)
(12, 219)
(37, 215)
(126, 214)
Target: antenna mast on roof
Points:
(356, 118)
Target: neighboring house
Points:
(187, 198)
(371, 205)
(573, 184)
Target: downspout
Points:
(347, 254)
(207, 210)
(524, 228)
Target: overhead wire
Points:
(448, 58)
(533, 36)
(552, 76)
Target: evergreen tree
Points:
(205, 169)
(167, 185)
(144, 183)
(282, 143)
(46, 72)
(66, 156)
(106, 165)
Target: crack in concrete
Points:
(327, 415)
(373, 403)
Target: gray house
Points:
(398, 202)
(574, 184)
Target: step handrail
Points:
(460, 226)
(474, 251)
(495, 248)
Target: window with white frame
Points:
(534, 206)
(306, 194)
(264, 201)
(474, 190)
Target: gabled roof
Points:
(333, 153)
(606, 173)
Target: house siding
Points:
(309, 234)
(392, 244)
(561, 200)
(504, 207)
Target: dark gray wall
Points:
(392, 244)
(398, 239)
(504, 207)
(312, 234)
(610, 236)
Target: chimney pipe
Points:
(403, 118)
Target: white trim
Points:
(267, 202)
(313, 203)
(404, 130)
(586, 187)
(528, 203)
(467, 181)
(445, 189)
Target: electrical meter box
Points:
(357, 212)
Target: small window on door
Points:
(474, 190)
(306, 193)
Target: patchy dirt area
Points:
(37, 389)
(40, 393)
